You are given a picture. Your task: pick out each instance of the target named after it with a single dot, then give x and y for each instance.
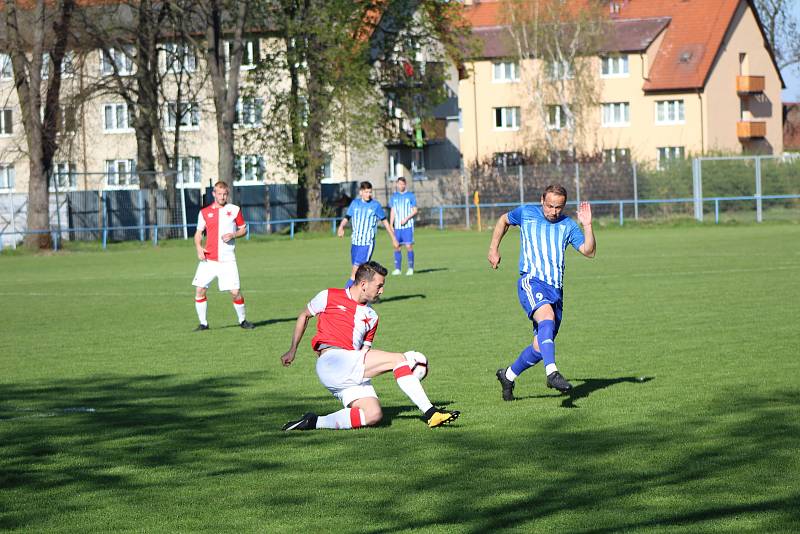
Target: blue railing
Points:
(292, 223)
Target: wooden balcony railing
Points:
(749, 84)
(751, 129)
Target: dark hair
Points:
(401, 179)
(364, 185)
(556, 189)
(367, 271)
(221, 185)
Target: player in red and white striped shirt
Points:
(222, 224)
(346, 327)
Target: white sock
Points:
(342, 420)
(411, 387)
(549, 369)
(510, 375)
(201, 305)
(238, 305)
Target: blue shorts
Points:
(533, 293)
(405, 236)
(361, 254)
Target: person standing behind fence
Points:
(544, 235)
(403, 205)
(365, 213)
(222, 224)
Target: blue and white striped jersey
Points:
(543, 243)
(364, 217)
(403, 204)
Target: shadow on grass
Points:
(587, 387)
(398, 298)
(428, 271)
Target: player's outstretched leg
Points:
(410, 254)
(201, 307)
(545, 336)
(307, 422)
(398, 261)
(344, 419)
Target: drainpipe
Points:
(702, 124)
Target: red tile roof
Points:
(692, 40)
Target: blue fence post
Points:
(333, 226)
(155, 235)
(55, 241)
(716, 211)
(621, 222)
(247, 234)
(291, 230)
(105, 218)
(141, 215)
(1, 238)
(441, 218)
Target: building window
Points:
(178, 58)
(418, 164)
(249, 111)
(117, 118)
(507, 159)
(395, 169)
(6, 121)
(65, 174)
(250, 54)
(559, 70)
(121, 172)
(505, 71)
(117, 60)
(668, 154)
(616, 114)
(614, 66)
(249, 168)
(670, 112)
(6, 176)
(325, 171)
(616, 155)
(67, 119)
(189, 171)
(184, 114)
(556, 118)
(6, 69)
(506, 118)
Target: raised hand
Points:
(585, 213)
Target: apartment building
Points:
(676, 78)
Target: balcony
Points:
(751, 129)
(746, 85)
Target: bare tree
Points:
(31, 33)
(559, 44)
(782, 27)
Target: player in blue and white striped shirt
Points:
(403, 205)
(544, 235)
(365, 213)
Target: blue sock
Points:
(398, 259)
(410, 259)
(544, 335)
(349, 283)
(527, 358)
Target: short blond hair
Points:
(221, 185)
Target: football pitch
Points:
(683, 343)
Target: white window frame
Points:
(395, 169)
(191, 167)
(674, 112)
(507, 159)
(250, 108)
(668, 154)
(66, 172)
(189, 119)
(245, 162)
(417, 161)
(249, 58)
(183, 58)
(508, 118)
(614, 66)
(616, 155)
(6, 122)
(122, 179)
(505, 72)
(558, 70)
(7, 176)
(6, 68)
(615, 114)
(118, 109)
(555, 119)
(122, 58)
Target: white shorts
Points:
(226, 273)
(342, 372)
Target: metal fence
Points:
(727, 187)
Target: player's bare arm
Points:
(391, 232)
(391, 217)
(589, 246)
(340, 230)
(198, 245)
(299, 329)
(499, 232)
(414, 212)
(240, 232)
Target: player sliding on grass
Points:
(544, 235)
(346, 326)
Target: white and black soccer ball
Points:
(418, 363)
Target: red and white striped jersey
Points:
(216, 222)
(342, 321)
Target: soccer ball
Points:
(418, 363)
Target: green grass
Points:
(683, 343)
